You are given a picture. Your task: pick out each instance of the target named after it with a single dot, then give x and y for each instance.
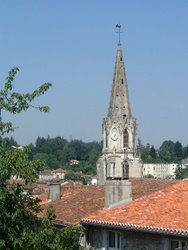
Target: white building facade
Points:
(160, 170)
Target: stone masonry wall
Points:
(139, 241)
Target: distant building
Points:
(74, 162)
(49, 174)
(160, 170)
(94, 180)
(46, 175)
(60, 173)
(184, 163)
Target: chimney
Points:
(117, 192)
(55, 190)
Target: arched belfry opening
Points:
(125, 138)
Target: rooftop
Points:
(59, 170)
(75, 203)
(162, 211)
(81, 201)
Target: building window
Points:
(125, 139)
(114, 240)
(94, 237)
(178, 245)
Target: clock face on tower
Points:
(114, 134)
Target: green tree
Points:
(50, 149)
(80, 149)
(19, 226)
(185, 172)
(185, 152)
(94, 151)
(166, 152)
(179, 172)
(68, 153)
(8, 142)
(144, 151)
(153, 152)
(14, 102)
(178, 151)
(70, 175)
(57, 152)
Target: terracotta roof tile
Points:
(46, 172)
(76, 203)
(43, 197)
(80, 201)
(165, 210)
(59, 170)
(145, 186)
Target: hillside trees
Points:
(152, 152)
(168, 152)
(57, 152)
(147, 153)
(178, 151)
(19, 227)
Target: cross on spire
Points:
(118, 26)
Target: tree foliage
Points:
(168, 152)
(19, 226)
(57, 153)
(179, 173)
(14, 102)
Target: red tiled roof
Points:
(79, 201)
(43, 198)
(163, 211)
(15, 181)
(76, 203)
(46, 172)
(59, 170)
(70, 183)
(145, 186)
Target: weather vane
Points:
(119, 31)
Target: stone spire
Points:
(119, 100)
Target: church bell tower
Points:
(119, 159)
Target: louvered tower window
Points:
(106, 139)
(125, 139)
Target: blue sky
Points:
(73, 43)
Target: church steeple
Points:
(119, 160)
(119, 100)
